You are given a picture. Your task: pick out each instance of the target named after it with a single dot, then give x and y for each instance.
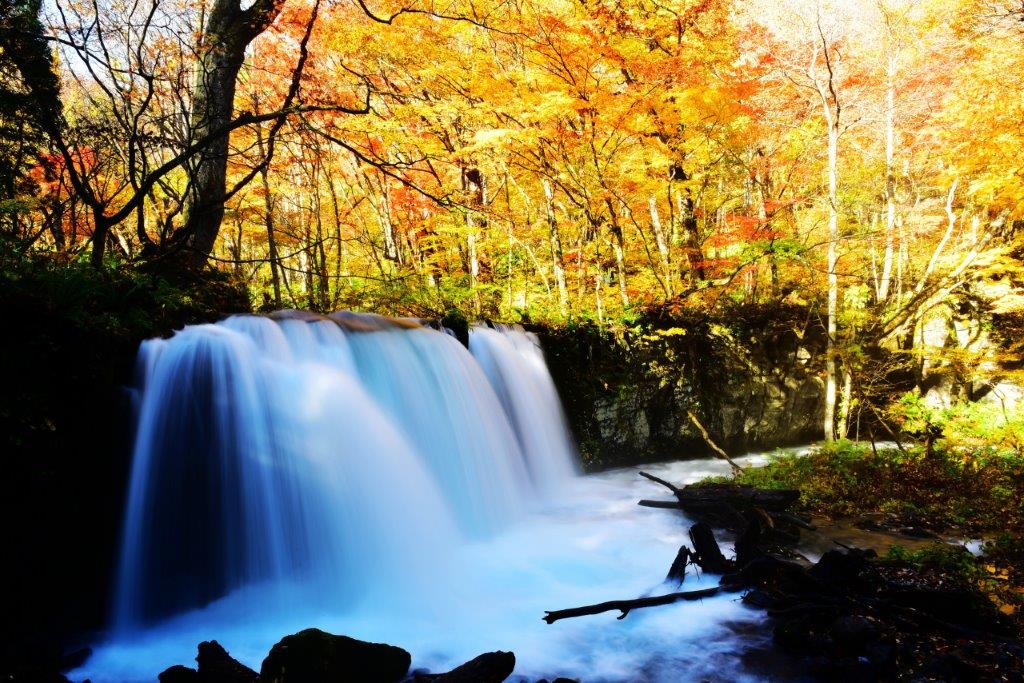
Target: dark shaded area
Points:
(490, 667)
(313, 655)
(215, 665)
(69, 349)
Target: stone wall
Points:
(753, 377)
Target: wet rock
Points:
(217, 666)
(179, 674)
(457, 323)
(759, 599)
(709, 555)
(75, 659)
(314, 656)
(490, 667)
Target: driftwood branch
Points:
(677, 572)
(671, 487)
(736, 469)
(625, 606)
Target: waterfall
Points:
(337, 456)
(514, 363)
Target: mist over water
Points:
(389, 485)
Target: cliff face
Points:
(753, 379)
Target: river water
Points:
(593, 544)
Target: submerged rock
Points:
(314, 656)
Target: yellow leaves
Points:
(494, 137)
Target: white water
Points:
(388, 486)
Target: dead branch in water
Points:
(736, 469)
(625, 606)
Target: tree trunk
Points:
(833, 279)
(845, 403)
(268, 219)
(659, 238)
(221, 54)
(556, 246)
(619, 247)
(473, 185)
(830, 110)
(890, 178)
(688, 221)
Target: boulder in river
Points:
(314, 656)
(215, 666)
(490, 667)
(179, 674)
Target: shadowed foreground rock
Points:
(215, 666)
(314, 656)
(490, 667)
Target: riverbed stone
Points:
(217, 666)
(179, 674)
(490, 667)
(315, 656)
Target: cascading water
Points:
(374, 478)
(514, 364)
(260, 458)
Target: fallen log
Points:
(625, 606)
(740, 497)
(664, 504)
(713, 496)
(795, 520)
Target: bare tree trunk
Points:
(831, 109)
(619, 248)
(473, 184)
(268, 220)
(833, 281)
(688, 221)
(659, 238)
(556, 247)
(890, 178)
(845, 402)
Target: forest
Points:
(731, 227)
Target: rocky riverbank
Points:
(752, 378)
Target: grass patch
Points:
(976, 489)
